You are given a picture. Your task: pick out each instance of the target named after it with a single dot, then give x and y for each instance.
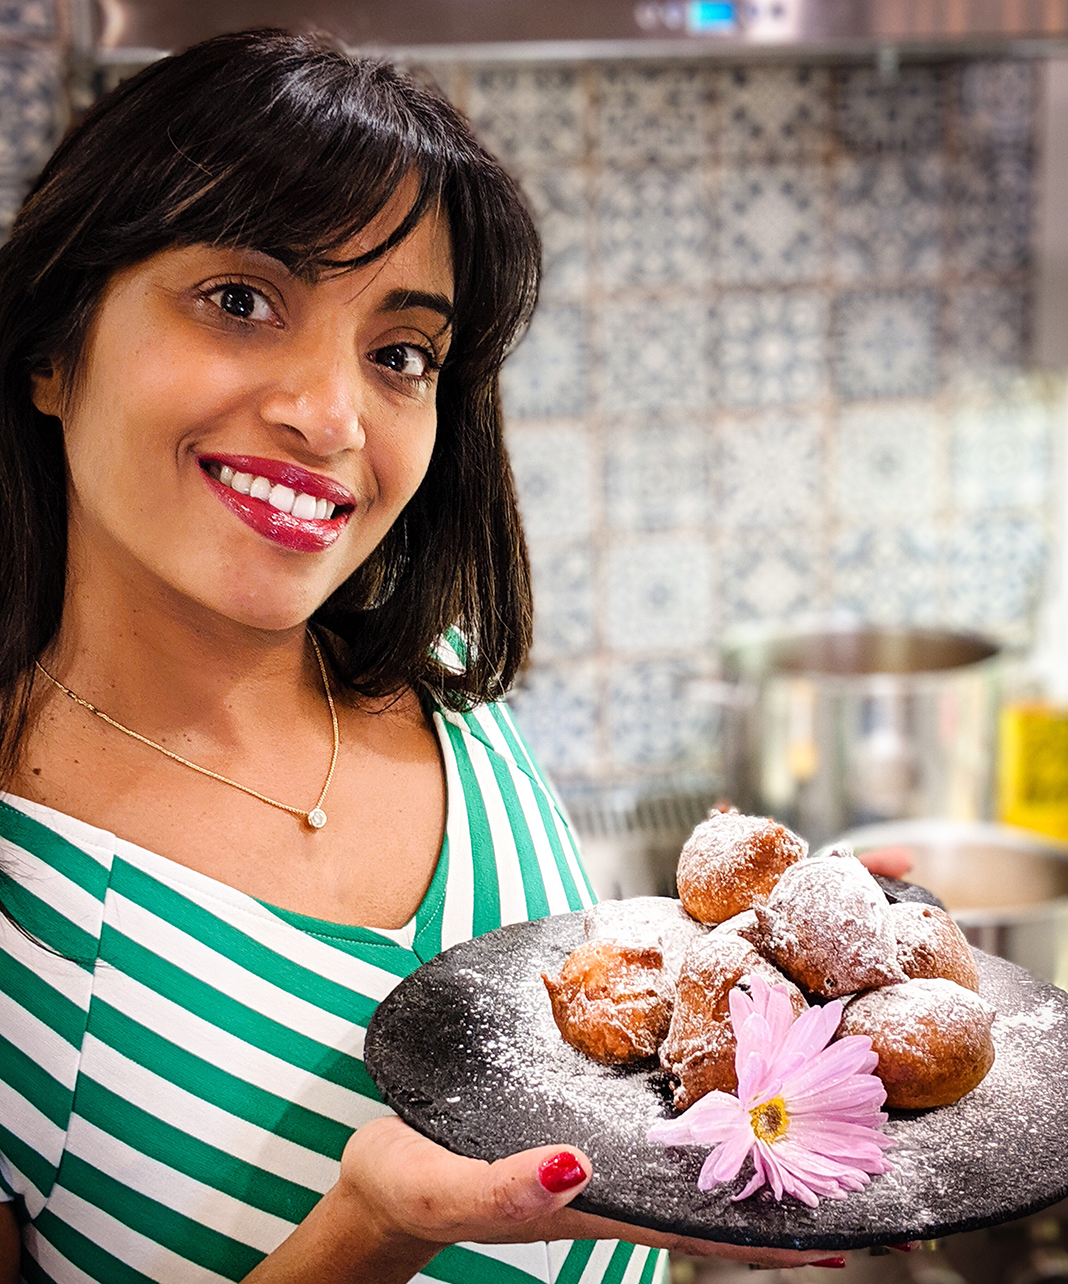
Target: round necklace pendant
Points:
(317, 818)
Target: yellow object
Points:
(1033, 768)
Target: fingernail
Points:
(904, 1248)
(833, 1263)
(561, 1172)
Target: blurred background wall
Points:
(782, 367)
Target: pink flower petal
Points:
(728, 1158)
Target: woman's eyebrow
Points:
(403, 300)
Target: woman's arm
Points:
(401, 1199)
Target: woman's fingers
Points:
(891, 862)
(577, 1225)
(417, 1188)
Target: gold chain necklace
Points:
(316, 817)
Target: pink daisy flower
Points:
(807, 1115)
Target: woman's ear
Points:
(47, 390)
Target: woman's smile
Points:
(298, 509)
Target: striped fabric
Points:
(178, 1079)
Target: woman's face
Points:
(243, 439)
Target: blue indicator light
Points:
(711, 15)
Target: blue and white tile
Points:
(652, 111)
(654, 226)
(773, 347)
(771, 575)
(562, 575)
(768, 468)
(772, 113)
(994, 210)
(11, 197)
(886, 343)
(996, 564)
(529, 116)
(656, 473)
(658, 594)
(889, 216)
(658, 355)
(31, 92)
(990, 327)
(905, 113)
(27, 18)
(547, 373)
(1002, 455)
(888, 575)
(771, 224)
(998, 98)
(887, 462)
(560, 199)
(553, 466)
(655, 723)
(557, 708)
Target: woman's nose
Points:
(319, 399)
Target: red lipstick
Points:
(299, 534)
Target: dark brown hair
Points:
(279, 143)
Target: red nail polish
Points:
(833, 1263)
(561, 1172)
(904, 1248)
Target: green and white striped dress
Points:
(175, 1093)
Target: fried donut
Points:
(646, 920)
(932, 1038)
(612, 1001)
(827, 926)
(730, 861)
(700, 1045)
(930, 944)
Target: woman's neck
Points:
(167, 668)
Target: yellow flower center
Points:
(770, 1121)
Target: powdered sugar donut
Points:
(730, 861)
(932, 1037)
(930, 944)
(612, 1001)
(700, 1044)
(827, 925)
(646, 920)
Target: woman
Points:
(251, 321)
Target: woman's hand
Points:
(416, 1192)
(891, 862)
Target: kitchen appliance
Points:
(1006, 887)
(425, 29)
(849, 726)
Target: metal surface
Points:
(849, 727)
(1006, 887)
(558, 28)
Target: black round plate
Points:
(466, 1051)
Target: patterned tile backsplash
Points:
(779, 370)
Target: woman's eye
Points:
(405, 359)
(241, 301)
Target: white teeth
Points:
(281, 497)
(284, 498)
(303, 506)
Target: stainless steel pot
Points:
(1006, 887)
(851, 726)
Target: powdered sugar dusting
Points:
(827, 925)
